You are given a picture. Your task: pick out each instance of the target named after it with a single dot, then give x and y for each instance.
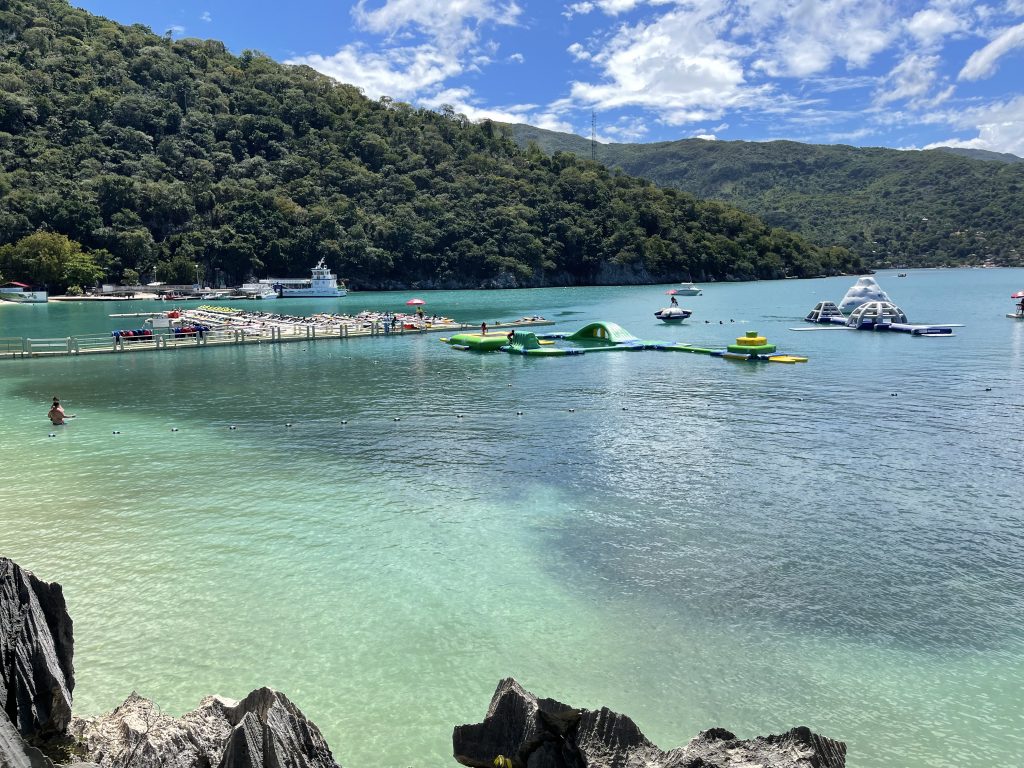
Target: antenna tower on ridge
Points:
(593, 135)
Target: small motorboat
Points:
(672, 314)
(687, 289)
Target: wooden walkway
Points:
(228, 332)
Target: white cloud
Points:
(982, 63)
(517, 58)
(911, 80)
(441, 19)
(705, 137)
(676, 62)
(999, 126)
(930, 25)
(205, 16)
(800, 38)
(578, 52)
(176, 29)
(401, 73)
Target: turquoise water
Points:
(699, 543)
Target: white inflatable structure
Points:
(861, 292)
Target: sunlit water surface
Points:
(697, 543)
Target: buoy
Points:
(344, 421)
(519, 413)
(53, 434)
(988, 389)
(288, 424)
(572, 410)
(117, 432)
(625, 408)
(458, 415)
(174, 429)
(232, 427)
(397, 418)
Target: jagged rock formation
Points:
(36, 670)
(264, 729)
(544, 733)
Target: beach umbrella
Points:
(1017, 295)
(671, 292)
(415, 302)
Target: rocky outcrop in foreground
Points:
(264, 729)
(36, 670)
(543, 733)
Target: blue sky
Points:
(861, 72)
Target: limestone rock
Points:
(36, 649)
(264, 729)
(15, 752)
(543, 733)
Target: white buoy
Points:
(53, 434)
(174, 429)
(232, 427)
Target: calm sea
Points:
(690, 541)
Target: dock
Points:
(215, 326)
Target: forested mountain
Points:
(928, 208)
(157, 155)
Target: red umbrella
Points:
(1017, 295)
(671, 292)
(415, 302)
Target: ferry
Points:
(22, 294)
(322, 284)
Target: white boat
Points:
(256, 291)
(687, 289)
(322, 284)
(672, 314)
(22, 294)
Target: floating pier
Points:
(221, 326)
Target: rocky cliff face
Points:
(36, 670)
(522, 731)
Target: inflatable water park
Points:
(866, 307)
(610, 337)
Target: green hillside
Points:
(935, 207)
(161, 156)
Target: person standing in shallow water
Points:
(483, 328)
(56, 414)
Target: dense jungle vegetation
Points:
(940, 207)
(163, 159)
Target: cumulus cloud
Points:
(441, 19)
(912, 80)
(675, 63)
(982, 62)
(800, 39)
(401, 73)
(999, 127)
(931, 25)
(205, 16)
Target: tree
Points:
(51, 260)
